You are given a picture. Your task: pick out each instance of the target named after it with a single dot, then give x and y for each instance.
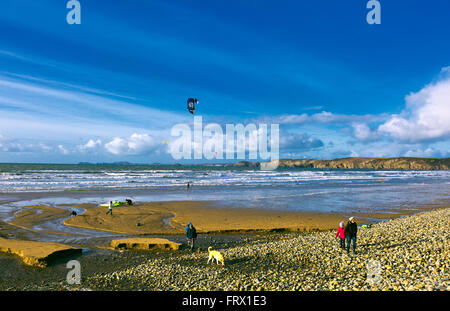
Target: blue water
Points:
(292, 189)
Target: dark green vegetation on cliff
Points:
(361, 163)
(344, 163)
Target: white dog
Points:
(215, 255)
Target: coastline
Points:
(413, 253)
(171, 217)
(254, 241)
(154, 217)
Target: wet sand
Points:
(225, 228)
(413, 254)
(172, 217)
(36, 215)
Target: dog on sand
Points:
(215, 255)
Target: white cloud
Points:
(420, 152)
(292, 119)
(363, 132)
(63, 150)
(324, 117)
(445, 70)
(299, 142)
(427, 114)
(8, 144)
(354, 154)
(136, 144)
(313, 108)
(37, 108)
(90, 146)
(395, 149)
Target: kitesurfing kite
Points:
(191, 102)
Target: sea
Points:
(319, 190)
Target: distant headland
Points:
(406, 163)
(401, 163)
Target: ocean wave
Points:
(41, 180)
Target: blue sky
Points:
(111, 88)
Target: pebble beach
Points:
(408, 253)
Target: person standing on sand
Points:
(341, 234)
(109, 208)
(191, 235)
(350, 231)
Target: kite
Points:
(191, 102)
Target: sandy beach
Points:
(265, 248)
(172, 217)
(36, 215)
(412, 252)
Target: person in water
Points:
(191, 235)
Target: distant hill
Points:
(113, 163)
(344, 163)
(359, 163)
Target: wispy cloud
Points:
(8, 144)
(299, 142)
(324, 117)
(37, 106)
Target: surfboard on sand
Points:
(114, 204)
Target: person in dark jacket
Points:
(191, 235)
(350, 231)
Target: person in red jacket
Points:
(341, 234)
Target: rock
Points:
(39, 254)
(145, 244)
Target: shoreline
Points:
(210, 219)
(413, 254)
(170, 218)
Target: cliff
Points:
(361, 163)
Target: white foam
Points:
(54, 180)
